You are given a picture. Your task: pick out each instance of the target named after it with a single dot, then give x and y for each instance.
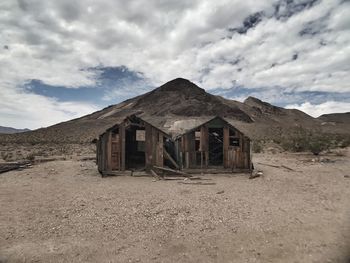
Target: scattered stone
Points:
(220, 192)
(346, 176)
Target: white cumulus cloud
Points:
(316, 110)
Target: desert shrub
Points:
(31, 157)
(4, 156)
(344, 142)
(7, 156)
(302, 140)
(297, 141)
(318, 145)
(257, 147)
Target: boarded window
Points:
(140, 135)
(234, 140)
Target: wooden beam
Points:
(155, 174)
(168, 156)
(198, 183)
(172, 170)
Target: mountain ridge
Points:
(179, 99)
(10, 130)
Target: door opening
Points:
(216, 146)
(135, 148)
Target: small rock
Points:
(220, 192)
(346, 176)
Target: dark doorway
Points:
(216, 142)
(135, 148)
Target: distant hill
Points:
(10, 130)
(336, 117)
(179, 99)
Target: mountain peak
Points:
(262, 106)
(252, 99)
(180, 85)
(182, 97)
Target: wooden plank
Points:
(172, 170)
(122, 145)
(160, 149)
(154, 174)
(148, 146)
(168, 156)
(198, 183)
(125, 172)
(205, 145)
(6, 167)
(204, 139)
(226, 143)
(187, 160)
(154, 146)
(215, 171)
(109, 152)
(271, 165)
(250, 155)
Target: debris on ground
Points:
(9, 166)
(256, 174)
(197, 183)
(278, 166)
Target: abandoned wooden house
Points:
(214, 144)
(186, 144)
(132, 144)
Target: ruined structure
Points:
(188, 144)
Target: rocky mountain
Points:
(10, 130)
(336, 117)
(181, 98)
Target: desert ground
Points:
(63, 211)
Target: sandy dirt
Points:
(63, 211)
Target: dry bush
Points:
(257, 146)
(31, 157)
(7, 156)
(302, 140)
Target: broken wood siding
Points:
(154, 147)
(235, 157)
(188, 150)
(102, 158)
(111, 147)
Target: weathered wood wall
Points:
(234, 157)
(110, 154)
(154, 147)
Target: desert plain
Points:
(64, 211)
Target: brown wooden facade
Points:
(131, 145)
(135, 144)
(215, 144)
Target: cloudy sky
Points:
(63, 59)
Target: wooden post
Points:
(109, 151)
(226, 146)
(122, 146)
(201, 162)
